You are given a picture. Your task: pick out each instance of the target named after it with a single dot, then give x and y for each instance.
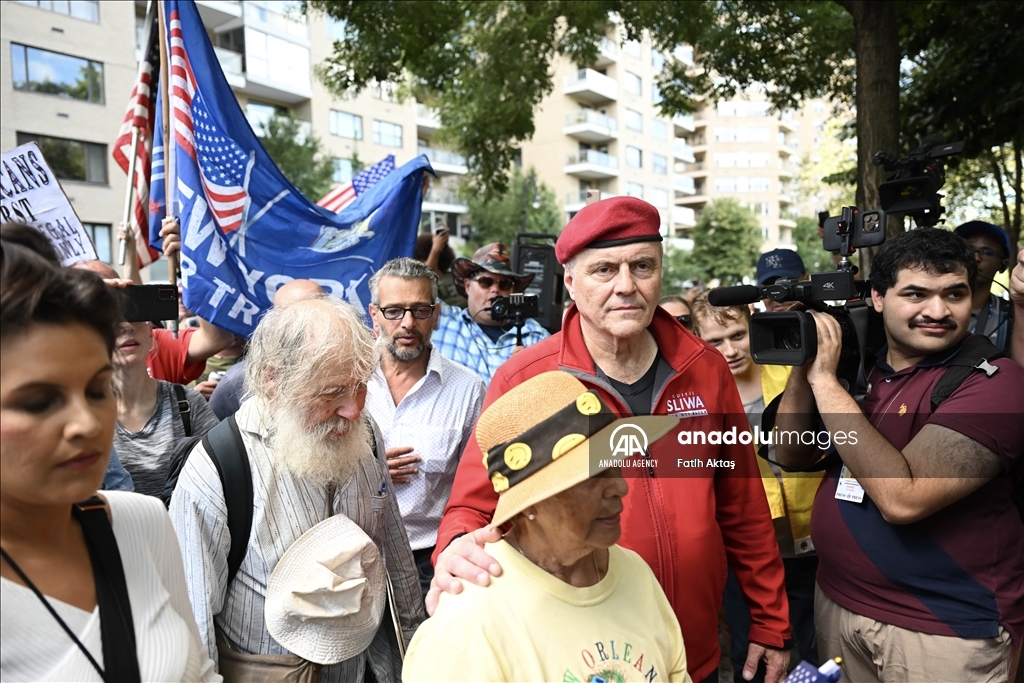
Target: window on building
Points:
(100, 234)
(759, 208)
(384, 92)
(53, 73)
(260, 113)
(634, 157)
(342, 170)
(634, 120)
(72, 159)
(140, 29)
(632, 48)
(87, 10)
(387, 134)
(633, 83)
(819, 107)
(656, 97)
(725, 184)
(276, 59)
(346, 125)
(782, 137)
(635, 190)
(758, 184)
(759, 109)
(659, 197)
(659, 164)
(657, 60)
(659, 129)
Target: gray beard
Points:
(316, 453)
(405, 355)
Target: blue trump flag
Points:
(245, 229)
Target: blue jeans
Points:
(800, 572)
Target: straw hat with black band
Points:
(545, 435)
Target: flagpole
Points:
(170, 181)
(128, 196)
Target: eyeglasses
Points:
(421, 312)
(686, 321)
(985, 252)
(486, 281)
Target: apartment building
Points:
(68, 68)
(742, 150)
(73, 64)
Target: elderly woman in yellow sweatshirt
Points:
(570, 605)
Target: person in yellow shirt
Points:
(570, 604)
(790, 495)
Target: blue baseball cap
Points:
(997, 234)
(779, 263)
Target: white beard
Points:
(317, 453)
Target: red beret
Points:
(609, 223)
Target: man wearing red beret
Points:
(687, 523)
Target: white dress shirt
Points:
(436, 418)
(284, 507)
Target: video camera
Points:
(790, 337)
(517, 308)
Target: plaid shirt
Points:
(460, 339)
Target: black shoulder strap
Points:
(184, 408)
(117, 630)
(974, 355)
(227, 451)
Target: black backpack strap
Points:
(227, 451)
(117, 630)
(974, 355)
(184, 408)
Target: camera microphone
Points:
(734, 296)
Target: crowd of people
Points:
(417, 491)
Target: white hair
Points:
(293, 343)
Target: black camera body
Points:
(515, 308)
(913, 187)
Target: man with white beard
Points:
(313, 454)
(425, 404)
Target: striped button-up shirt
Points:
(459, 338)
(285, 507)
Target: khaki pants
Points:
(874, 651)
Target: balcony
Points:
(683, 184)
(286, 88)
(233, 65)
(216, 13)
(442, 200)
(427, 122)
(607, 53)
(684, 53)
(684, 216)
(789, 124)
(591, 126)
(694, 200)
(445, 162)
(682, 151)
(684, 123)
(696, 170)
(590, 86)
(787, 223)
(575, 201)
(591, 165)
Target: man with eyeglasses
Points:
(424, 404)
(470, 336)
(991, 315)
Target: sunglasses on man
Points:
(486, 281)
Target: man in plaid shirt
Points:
(469, 335)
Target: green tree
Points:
(726, 242)
(500, 218)
(808, 245)
(678, 268)
(300, 156)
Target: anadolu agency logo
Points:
(627, 440)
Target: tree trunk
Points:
(877, 97)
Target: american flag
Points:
(140, 114)
(343, 195)
(223, 166)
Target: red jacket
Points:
(683, 522)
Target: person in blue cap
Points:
(991, 315)
(775, 264)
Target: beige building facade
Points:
(599, 128)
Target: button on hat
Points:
(779, 263)
(609, 223)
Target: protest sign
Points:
(30, 193)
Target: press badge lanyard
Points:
(849, 488)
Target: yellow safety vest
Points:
(792, 494)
